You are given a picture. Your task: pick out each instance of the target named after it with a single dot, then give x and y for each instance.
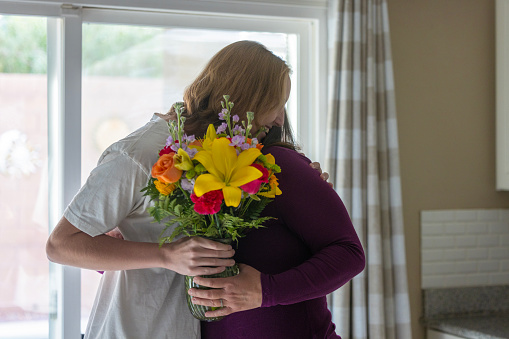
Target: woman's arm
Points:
(316, 215)
(68, 245)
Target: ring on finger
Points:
(221, 302)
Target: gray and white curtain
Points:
(363, 160)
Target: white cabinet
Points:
(502, 93)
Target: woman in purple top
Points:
(287, 268)
(310, 250)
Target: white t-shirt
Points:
(145, 303)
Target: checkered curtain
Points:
(363, 160)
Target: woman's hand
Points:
(239, 293)
(324, 175)
(198, 256)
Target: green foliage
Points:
(108, 50)
(22, 44)
(236, 227)
(151, 190)
(273, 167)
(255, 207)
(114, 50)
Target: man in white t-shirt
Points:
(141, 294)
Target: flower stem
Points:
(244, 208)
(183, 190)
(218, 226)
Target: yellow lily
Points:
(270, 159)
(226, 170)
(182, 161)
(205, 143)
(209, 137)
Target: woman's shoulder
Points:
(285, 153)
(291, 162)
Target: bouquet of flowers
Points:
(216, 186)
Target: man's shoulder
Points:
(141, 146)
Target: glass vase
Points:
(198, 311)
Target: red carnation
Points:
(254, 186)
(165, 150)
(209, 203)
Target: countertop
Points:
(489, 326)
(473, 312)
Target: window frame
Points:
(64, 87)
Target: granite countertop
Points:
(487, 326)
(471, 312)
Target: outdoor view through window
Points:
(129, 72)
(24, 286)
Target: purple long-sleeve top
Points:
(310, 250)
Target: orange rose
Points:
(164, 170)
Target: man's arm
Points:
(68, 245)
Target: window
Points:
(24, 298)
(59, 111)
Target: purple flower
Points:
(222, 128)
(238, 140)
(169, 141)
(189, 139)
(187, 185)
(174, 147)
(190, 151)
(222, 115)
(245, 147)
(238, 130)
(235, 118)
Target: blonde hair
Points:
(253, 77)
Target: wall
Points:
(444, 57)
(464, 248)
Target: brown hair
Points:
(281, 136)
(253, 77)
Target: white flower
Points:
(17, 156)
